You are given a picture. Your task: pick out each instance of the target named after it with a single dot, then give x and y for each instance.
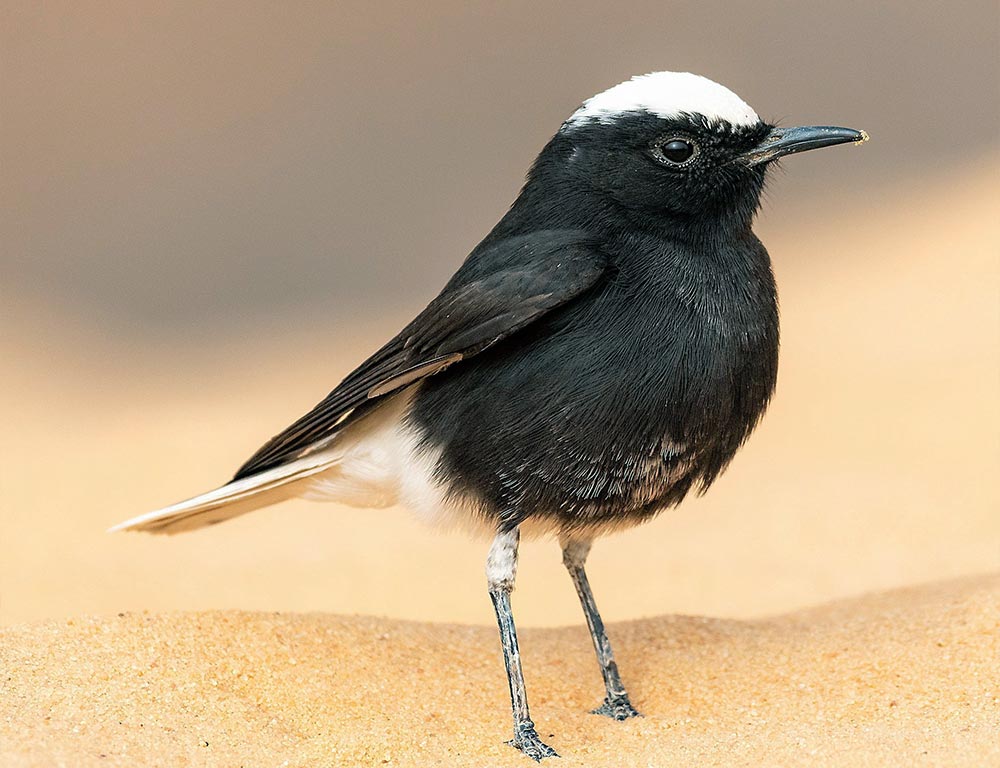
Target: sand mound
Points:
(900, 678)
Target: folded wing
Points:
(500, 289)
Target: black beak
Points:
(787, 141)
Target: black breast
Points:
(618, 404)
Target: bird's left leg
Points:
(501, 567)
(616, 705)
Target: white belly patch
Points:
(380, 463)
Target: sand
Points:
(906, 678)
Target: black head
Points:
(683, 166)
(671, 146)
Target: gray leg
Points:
(616, 704)
(501, 567)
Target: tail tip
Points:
(118, 527)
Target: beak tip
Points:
(788, 141)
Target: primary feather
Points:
(355, 448)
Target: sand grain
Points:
(901, 678)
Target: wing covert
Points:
(502, 287)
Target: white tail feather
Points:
(376, 461)
(231, 500)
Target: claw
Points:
(527, 740)
(619, 708)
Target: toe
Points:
(619, 708)
(527, 740)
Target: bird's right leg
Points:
(501, 568)
(616, 705)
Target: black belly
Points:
(607, 412)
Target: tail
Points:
(235, 498)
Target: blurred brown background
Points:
(210, 213)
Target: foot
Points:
(526, 740)
(618, 708)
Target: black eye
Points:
(676, 151)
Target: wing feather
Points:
(502, 287)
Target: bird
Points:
(605, 350)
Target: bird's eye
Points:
(674, 151)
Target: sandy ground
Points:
(906, 678)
